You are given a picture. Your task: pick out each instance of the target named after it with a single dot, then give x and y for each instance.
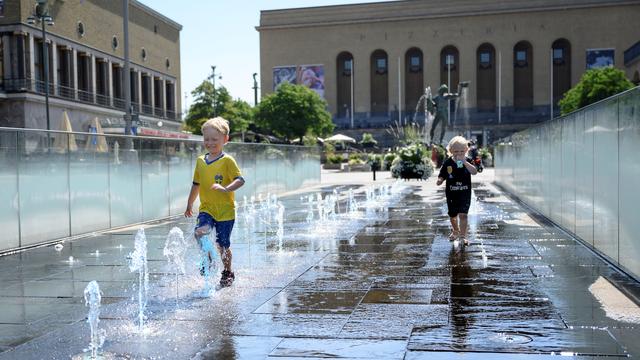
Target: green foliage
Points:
(238, 112)
(413, 162)
(388, 159)
(368, 140)
(334, 158)
(293, 111)
(595, 85)
(408, 134)
(375, 161)
(485, 153)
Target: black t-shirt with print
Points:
(458, 179)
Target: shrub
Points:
(334, 158)
(388, 159)
(595, 85)
(375, 161)
(413, 162)
(368, 140)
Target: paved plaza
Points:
(381, 282)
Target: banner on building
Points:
(598, 58)
(312, 76)
(283, 74)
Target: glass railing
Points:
(60, 184)
(581, 171)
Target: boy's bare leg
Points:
(454, 228)
(226, 256)
(463, 227)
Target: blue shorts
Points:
(223, 228)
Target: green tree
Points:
(239, 113)
(209, 103)
(595, 85)
(293, 111)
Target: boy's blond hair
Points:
(218, 123)
(457, 140)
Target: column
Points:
(53, 67)
(139, 90)
(32, 66)
(74, 72)
(6, 50)
(152, 88)
(110, 82)
(164, 97)
(92, 73)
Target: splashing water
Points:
(208, 265)
(174, 250)
(92, 298)
(352, 205)
(138, 262)
(280, 219)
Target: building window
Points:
(167, 63)
(381, 66)
(521, 55)
(558, 56)
(143, 54)
(114, 42)
(415, 63)
(347, 68)
(485, 59)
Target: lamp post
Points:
(255, 89)
(212, 77)
(42, 16)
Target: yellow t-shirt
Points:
(223, 170)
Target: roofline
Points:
(154, 13)
(388, 14)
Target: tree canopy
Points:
(293, 111)
(595, 85)
(238, 112)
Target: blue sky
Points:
(222, 33)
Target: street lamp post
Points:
(255, 90)
(212, 77)
(42, 16)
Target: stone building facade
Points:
(518, 56)
(85, 47)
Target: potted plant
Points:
(413, 162)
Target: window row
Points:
(485, 82)
(80, 76)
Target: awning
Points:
(162, 133)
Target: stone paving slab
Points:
(379, 284)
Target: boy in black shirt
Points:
(457, 171)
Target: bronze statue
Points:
(438, 107)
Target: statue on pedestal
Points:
(438, 106)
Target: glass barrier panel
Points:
(44, 188)
(9, 196)
(89, 183)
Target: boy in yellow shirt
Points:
(215, 178)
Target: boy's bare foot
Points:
(453, 236)
(464, 240)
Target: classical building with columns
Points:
(85, 47)
(518, 56)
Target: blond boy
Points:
(457, 171)
(215, 178)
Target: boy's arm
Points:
(193, 194)
(233, 186)
(470, 167)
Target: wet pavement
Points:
(383, 282)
